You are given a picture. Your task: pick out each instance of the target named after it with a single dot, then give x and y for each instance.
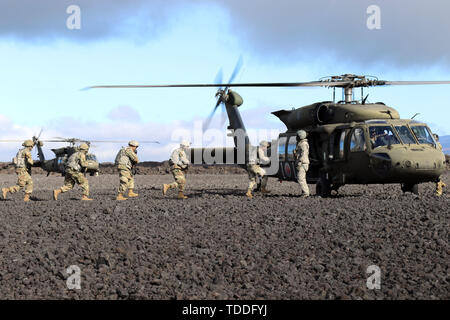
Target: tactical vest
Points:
(253, 155)
(73, 163)
(122, 159)
(302, 155)
(19, 160)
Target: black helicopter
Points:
(340, 136)
(62, 154)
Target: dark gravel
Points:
(219, 245)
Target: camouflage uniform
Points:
(256, 157)
(179, 163)
(76, 165)
(301, 154)
(126, 162)
(23, 163)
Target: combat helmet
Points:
(264, 144)
(28, 143)
(301, 134)
(133, 143)
(185, 144)
(84, 146)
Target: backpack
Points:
(119, 155)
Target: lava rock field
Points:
(220, 245)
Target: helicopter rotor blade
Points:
(273, 84)
(208, 120)
(410, 83)
(236, 70)
(219, 77)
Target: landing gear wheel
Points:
(409, 187)
(323, 187)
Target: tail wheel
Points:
(410, 187)
(323, 187)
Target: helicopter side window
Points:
(282, 148)
(292, 144)
(340, 150)
(405, 135)
(382, 136)
(358, 142)
(423, 135)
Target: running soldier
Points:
(439, 184)
(75, 168)
(126, 159)
(22, 162)
(255, 158)
(301, 154)
(179, 164)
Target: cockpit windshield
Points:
(382, 136)
(91, 156)
(405, 134)
(423, 134)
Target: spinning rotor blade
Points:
(208, 120)
(236, 70)
(410, 83)
(220, 92)
(274, 84)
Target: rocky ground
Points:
(219, 245)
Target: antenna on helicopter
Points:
(414, 116)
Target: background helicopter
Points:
(351, 142)
(62, 154)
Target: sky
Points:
(45, 64)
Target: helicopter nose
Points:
(408, 166)
(423, 166)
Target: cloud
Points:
(258, 122)
(43, 20)
(413, 32)
(124, 113)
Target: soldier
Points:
(125, 160)
(23, 162)
(301, 154)
(75, 167)
(179, 164)
(255, 158)
(439, 184)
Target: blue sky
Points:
(44, 65)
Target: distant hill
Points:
(445, 141)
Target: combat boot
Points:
(5, 192)
(264, 190)
(120, 197)
(56, 194)
(249, 194)
(181, 195)
(165, 188)
(27, 197)
(86, 198)
(131, 194)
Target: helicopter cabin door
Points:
(358, 157)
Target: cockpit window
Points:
(423, 134)
(357, 142)
(91, 156)
(382, 136)
(405, 135)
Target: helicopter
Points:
(62, 154)
(351, 141)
